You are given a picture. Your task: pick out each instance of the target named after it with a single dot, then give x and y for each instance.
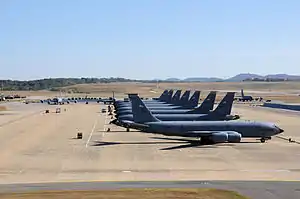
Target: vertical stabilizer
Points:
(225, 106)
(176, 97)
(163, 95)
(207, 104)
(193, 102)
(169, 96)
(141, 113)
(184, 98)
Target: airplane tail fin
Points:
(242, 92)
(225, 106)
(176, 97)
(169, 96)
(184, 98)
(141, 113)
(193, 102)
(207, 104)
(163, 95)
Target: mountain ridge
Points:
(237, 78)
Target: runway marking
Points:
(91, 133)
(126, 171)
(278, 170)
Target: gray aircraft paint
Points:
(204, 108)
(142, 116)
(176, 101)
(222, 112)
(193, 102)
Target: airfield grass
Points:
(154, 90)
(130, 194)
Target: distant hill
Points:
(283, 76)
(243, 76)
(238, 78)
(172, 80)
(203, 79)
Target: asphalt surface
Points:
(252, 189)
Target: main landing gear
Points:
(263, 139)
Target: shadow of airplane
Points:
(184, 143)
(111, 131)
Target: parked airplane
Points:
(192, 103)
(109, 100)
(209, 132)
(56, 101)
(166, 100)
(205, 107)
(175, 102)
(244, 97)
(222, 112)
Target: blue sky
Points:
(147, 39)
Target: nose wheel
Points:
(262, 140)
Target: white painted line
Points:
(126, 171)
(276, 170)
(92, 131)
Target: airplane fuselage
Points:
(184, 117)
(198, 128)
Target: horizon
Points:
(155, 79)
(148, 40)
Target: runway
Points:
(252, 189)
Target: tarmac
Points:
(36, 147)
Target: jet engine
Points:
(234, 137)
(219, 137)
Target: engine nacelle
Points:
(219, 137)
(234, 137)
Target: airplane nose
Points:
(279, 130)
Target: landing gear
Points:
(262, 140)
(127, 129)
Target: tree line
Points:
(55, 83)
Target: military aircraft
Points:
(167, 100)
(244, 98)
(222, 112)
(209, 132)
(56, 101)
(192, 103)
(204, 108)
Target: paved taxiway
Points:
(42, 148)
